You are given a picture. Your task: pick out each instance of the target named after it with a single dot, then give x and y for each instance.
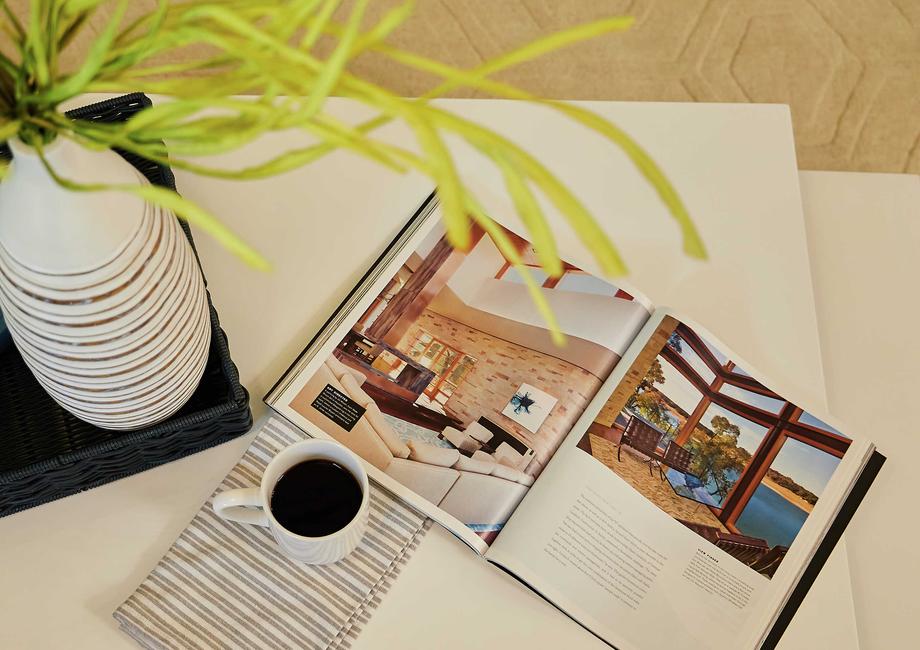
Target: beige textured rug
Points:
(850, 69)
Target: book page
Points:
(441, 373)
(686, 502)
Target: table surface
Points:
(682, 482)
(80, 557)
(863, 233)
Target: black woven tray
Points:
(46, 453)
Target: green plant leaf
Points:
(198, 216)
(8, 130)
(142, 48)
(693, 244)
(238, 47)
(450, 189)
(17, 31)
(588, 230)
(556, 41)
(391, 20)
(317, 25)
(336, 63)
(287, 23)
(95, 59)
(508, 250)
(532, 214)
(36, 43)
(74, 17)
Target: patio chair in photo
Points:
(741, 547)
(644, 438)
(709, 533)
(676, 457)
(767, 564)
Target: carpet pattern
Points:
(408, 431)
(632, 467)
(849, 69)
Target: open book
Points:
(642, 478)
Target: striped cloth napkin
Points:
(226, 585)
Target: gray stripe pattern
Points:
(226, 585)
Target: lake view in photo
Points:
(771, 516)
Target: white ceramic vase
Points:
(100, 290)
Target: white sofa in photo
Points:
(469, 439)
(511, 457)
(478, 491)
(475, 435)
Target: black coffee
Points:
(316, 498)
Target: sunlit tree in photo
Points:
(648, 402)
(717, 458)
(231, 71)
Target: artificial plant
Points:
(268, 50)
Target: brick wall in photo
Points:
(501, 367)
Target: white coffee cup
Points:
(251, 505)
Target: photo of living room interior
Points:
(451, 340)
(711, 446)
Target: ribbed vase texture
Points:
(101, 291)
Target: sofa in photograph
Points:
(470, 439)
(477, 490)
(483, 434)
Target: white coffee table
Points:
(68, 564)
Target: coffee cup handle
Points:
(243, 505)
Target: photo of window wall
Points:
(433, 363)
(711, 446)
